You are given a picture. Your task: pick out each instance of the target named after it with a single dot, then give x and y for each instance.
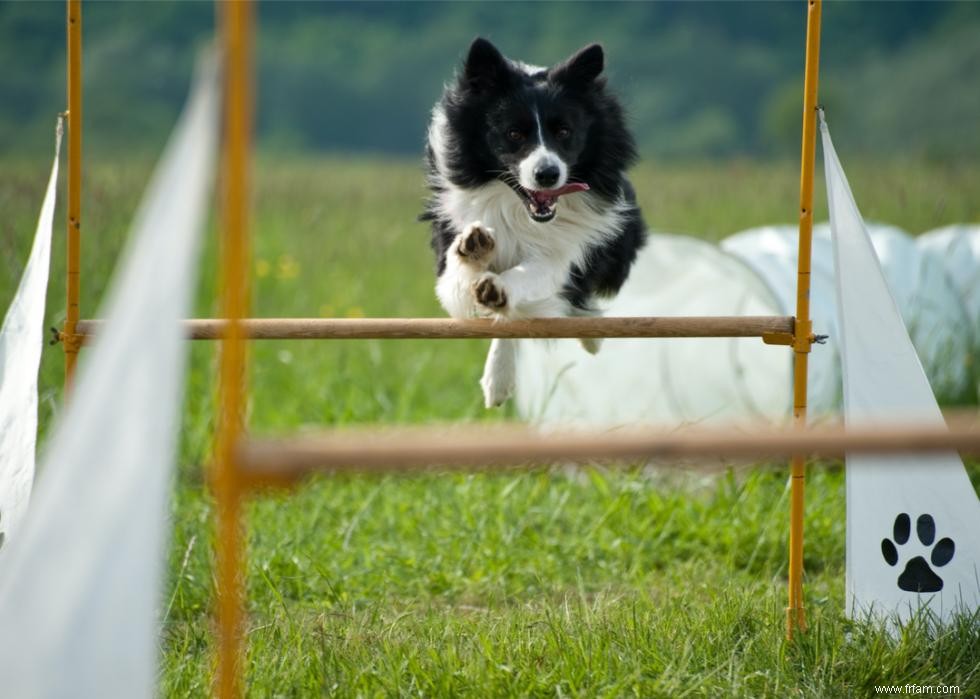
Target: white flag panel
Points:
(80, 588)
(913, 521)
(21, 342)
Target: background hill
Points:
(701, 80)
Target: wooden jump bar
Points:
(285, 461)
(449, 328)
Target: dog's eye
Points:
(562, 132)
(515, 135)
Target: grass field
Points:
(585, 583)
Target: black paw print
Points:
(918, 576)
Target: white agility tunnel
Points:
(772, 253)
(931, 306)
(932, 309)
(957, 249)
(675, 381)
(934, 279)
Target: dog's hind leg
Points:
(499, 373)
(467, 260)
(592, 345)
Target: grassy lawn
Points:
(590, 582)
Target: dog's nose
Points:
(547, 175)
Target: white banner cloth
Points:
(913, 521)
(21, 341)
(81, 585)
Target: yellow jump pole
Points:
(236, 24)
(70, 340)
(803, 337)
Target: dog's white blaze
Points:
(537, 120)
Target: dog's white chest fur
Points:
(562, 241)
(523, 268)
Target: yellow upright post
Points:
(803, 336)
(69, 340)
(236, 24)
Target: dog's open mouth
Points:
(542, 204)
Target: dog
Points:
(531, 212)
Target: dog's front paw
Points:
(489, 292)
(475, 242)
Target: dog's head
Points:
(546, 132)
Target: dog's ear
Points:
(485, 67)
(580, 70)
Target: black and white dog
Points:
(531, 213)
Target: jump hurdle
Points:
(242, 465)
(286, 462)
(772, 329)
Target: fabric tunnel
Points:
(934, 279)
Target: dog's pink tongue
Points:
(543, 195)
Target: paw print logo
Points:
(918, 575)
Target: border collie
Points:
(531, 213)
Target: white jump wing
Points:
(80, 586)
(913, 521)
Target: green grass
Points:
(564, 583)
